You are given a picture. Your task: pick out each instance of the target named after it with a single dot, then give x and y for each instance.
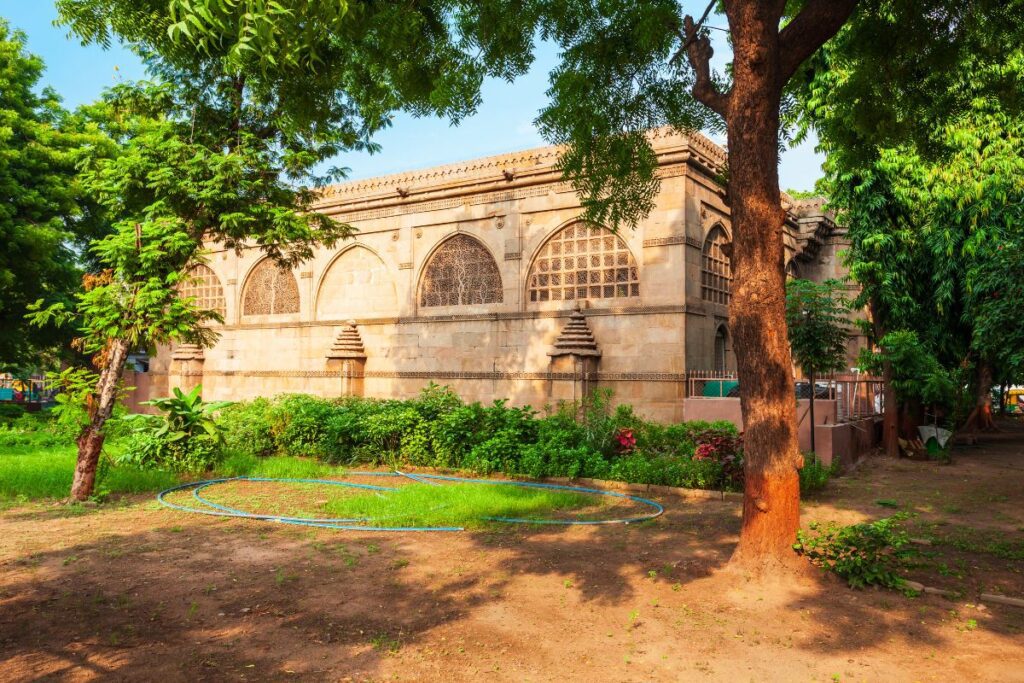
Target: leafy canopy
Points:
(816, 317)
(42, 213)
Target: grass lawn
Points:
(37, 467)
(41, 469)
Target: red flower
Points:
(626, 440)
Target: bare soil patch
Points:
(133, 591)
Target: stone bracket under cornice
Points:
(187, 352)
(349, 344)
(576, 339)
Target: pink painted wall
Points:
(846, 442)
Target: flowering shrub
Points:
(726, 450)
(625, 440)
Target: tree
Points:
(226, 145)
(625, 71)
(929, 218)
(816, 318)
(133, 302)
(41, 212)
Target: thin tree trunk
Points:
(890, 407)
(90, 441)
(813, 449)
(771, 501)
(981, 417)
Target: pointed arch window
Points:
(270, 290)
(203, 285)
(583, 262)
(461, 272)
(716, 273)
(721, 345)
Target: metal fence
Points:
(856, 396)
(710, 383)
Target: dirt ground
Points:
(133, 591)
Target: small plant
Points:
(186, 438)
(386, 643)
(814, 475)
(625, 440)
(863, 554)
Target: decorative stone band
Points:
(494, 197)
(504, 315)
(459, 375)
(671, 240)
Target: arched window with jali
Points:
(582, 262)
(461, 272)
(270, 290)
(203, 285)
(716, 271)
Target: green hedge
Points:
(438, 429)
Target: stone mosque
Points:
(479, 275)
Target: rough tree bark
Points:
(764, 58)
(90, 441)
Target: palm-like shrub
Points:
(185, 438)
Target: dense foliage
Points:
(926, 174)
(438, 429)
(185, 437)
(43, 216)
(867, 554)
(817, 320)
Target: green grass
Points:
(277, 466)
(32, 467)
(32, 472)
(463, 505)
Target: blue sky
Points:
(504, 122)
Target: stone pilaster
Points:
(575, 354)
(347, 359)
(186, 369)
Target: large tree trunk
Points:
(764, 59)
(757, 317)
(90, 441)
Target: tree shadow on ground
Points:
(138, 593)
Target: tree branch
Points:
(699, 51)
(810, 29)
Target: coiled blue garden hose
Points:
(360, 523)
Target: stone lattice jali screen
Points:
(270, 290)
(203, 285)
(583, 262)
(460, 273)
